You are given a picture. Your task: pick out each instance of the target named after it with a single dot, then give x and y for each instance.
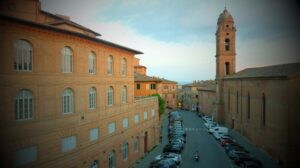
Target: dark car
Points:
(251, 164)
(235, 147)
(234, 153)
(172, 149)
(246, 160)
(163, 163)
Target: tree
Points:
(161, 104)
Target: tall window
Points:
(228, 101)
(124, 94)
(153, 86)
(263, 109)
(125, 122)
(237, 102)
(110, 65)
(67, 60)
(111, 127)
(248, 106)
(94, 134)
(145, 115)
(125, 151)
(138, 86)
(111, 160)
(92, 63)
(152, 112)
(227, 68)
(124, 66)
(23, 56)
(110, 96)
(136, 118)
(227, 44)
(136, 144)
(92, 98)
(24, 105)
(67, 101)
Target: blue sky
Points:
(177, 36)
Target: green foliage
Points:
(161, 104)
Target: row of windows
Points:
(23, 59)
(24, 101)
(263, 106)
(125, 121)
(29, 154)
(151, 86)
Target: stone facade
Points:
(169, 92)
(45, 131)
(207, 100)
(259, 103)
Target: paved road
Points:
(211, 153)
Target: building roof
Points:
(62, 19)
(199, 83)
(53, 28)
(211, 87)
(282, 70)
(144, 78)
(225, 16)
(140, 66)
(168, 81)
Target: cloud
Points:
(178, 37)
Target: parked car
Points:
(234, 147)
(163, 163)
(234, 153)
(218, 129)
(174, 156)
(246, 160)
(251, 164)
(172, 148)
(218, 134)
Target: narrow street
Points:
(211, 153)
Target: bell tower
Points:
(225, 45)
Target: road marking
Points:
(196, 129)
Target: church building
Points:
(261, 103)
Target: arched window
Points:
(111, 160)
(67, 60)
(248, 106)
(110, 65)
(24, 105)
(23, 56)
(92, 63)
(67, 101)
(227, 44)
(237, 102)
(110, 96)
(124, 94)
(125, 151)
(263, 109)
(124, 66)
(92, 98)
(227, 68)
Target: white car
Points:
(218, 134)
(174, 156)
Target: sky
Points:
(177, 37)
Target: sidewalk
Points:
(266, 160)
(148, 158)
